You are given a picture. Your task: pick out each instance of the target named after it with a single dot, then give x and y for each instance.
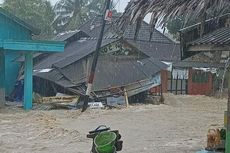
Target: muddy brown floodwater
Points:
(179, 126)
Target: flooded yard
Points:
(178, 126)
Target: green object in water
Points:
(223, 134)
(104, 142)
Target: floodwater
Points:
(179, 126)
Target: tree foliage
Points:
(38, 13)
(176, 24)
(65, 15)
(70, 14)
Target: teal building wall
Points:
(9, 29)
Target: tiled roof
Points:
(144, 34)
(73, 52)
(92, 28)
(158, 50)
(218, 37)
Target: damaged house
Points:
(125, 66)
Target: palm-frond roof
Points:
(165, 10)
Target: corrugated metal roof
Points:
(92, 28)
(144, 34)
(56, 77)
(110, 72)
(73, 52)
(218, 37)
(82, 48)
(69, 37)
(158, 50)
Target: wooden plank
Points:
(171, 80)
(62, 99)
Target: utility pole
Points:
(95, 58)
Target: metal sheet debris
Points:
(115, 101)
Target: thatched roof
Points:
(164, 10)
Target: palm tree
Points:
(67, 11)
(164, 10)
(72, 13)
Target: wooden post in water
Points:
(171, 81)
(176, 83)
(126, 97)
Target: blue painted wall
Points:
(9, 29)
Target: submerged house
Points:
(120, 67)
(193, 77)
(201, 69)
(151, 63)
(124, 64)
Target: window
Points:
(200, 77)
